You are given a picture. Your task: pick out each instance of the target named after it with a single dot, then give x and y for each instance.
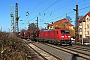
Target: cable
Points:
(47, 8)
(58, 14)
(37, 6)
(79, 9)
(63, 6)
(66, 5)
(33, 9)
(50, 6)
(84, 7)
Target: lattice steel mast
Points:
(16, 19)
(12, 19)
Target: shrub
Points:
(12, 48)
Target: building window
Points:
(80, 24)
(87, 25)
(66, 22)
(80, 36)
(87, 19)
(84, 29)
(84, 36)
(87, 32)
(80, 29)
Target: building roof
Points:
(62, 21)
(50, 25)
(83, 18)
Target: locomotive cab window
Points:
(56, 32)
(65, 32)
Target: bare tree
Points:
(32, 27)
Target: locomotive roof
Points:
(47, 30)
(55, 29)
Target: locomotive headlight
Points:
(62, 36)
(69, 36)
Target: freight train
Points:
(56, 36)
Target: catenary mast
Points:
(16, 19)
(12, 20)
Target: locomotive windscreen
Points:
(65, 31)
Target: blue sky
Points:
(47, 11)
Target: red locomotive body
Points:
(59, 36)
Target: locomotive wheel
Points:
(70, 44)
(55, 42)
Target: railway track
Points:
(76, 50)
(81, 48)
(45, 55)
(72, 50)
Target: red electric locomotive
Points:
(56, 36)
